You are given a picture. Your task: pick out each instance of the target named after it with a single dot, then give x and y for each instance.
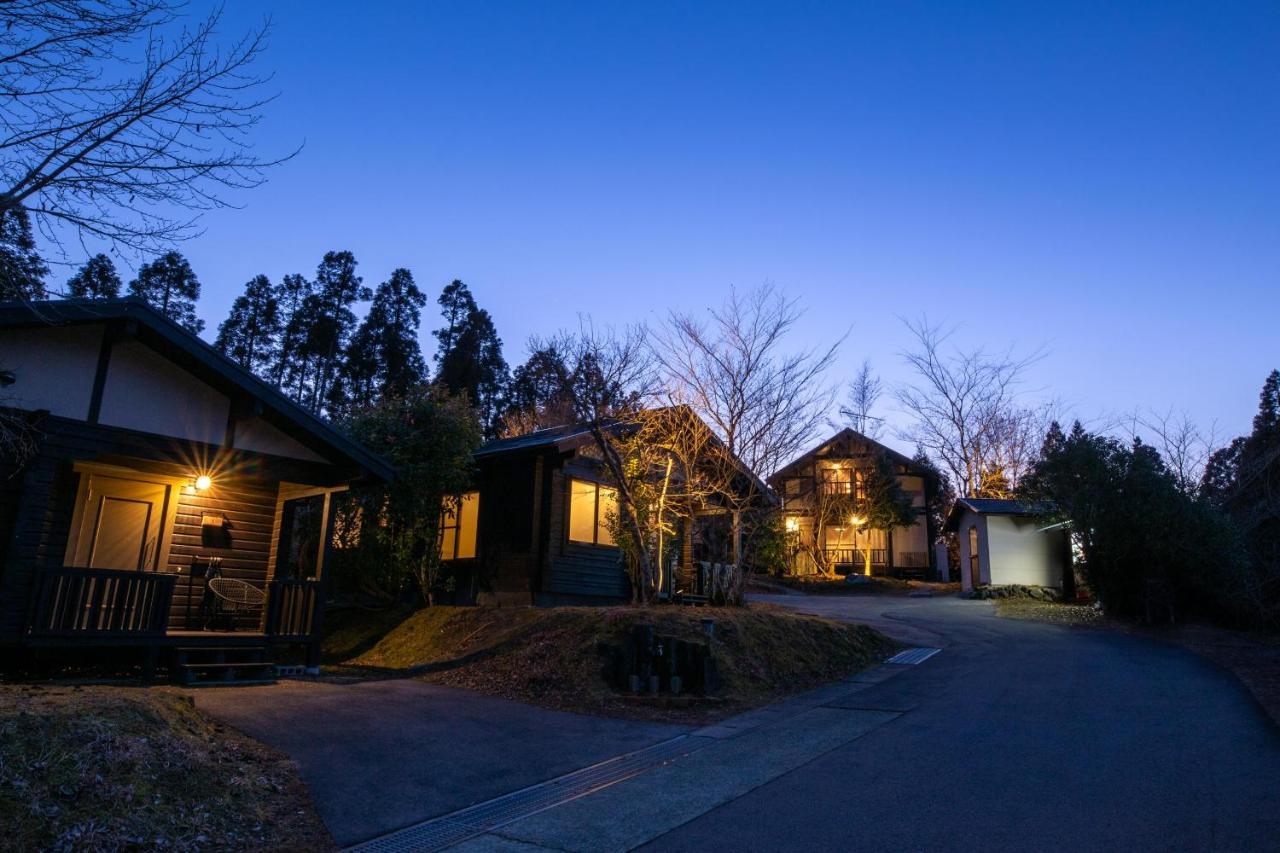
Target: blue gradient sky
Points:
(1101, 179)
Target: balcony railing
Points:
(855, 556)
(100, 603)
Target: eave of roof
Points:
(206, 358)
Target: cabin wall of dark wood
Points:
(578, 572)
(41, 507)
(249, 509)
(505, 541)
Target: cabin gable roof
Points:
(848, 435)
(148, 327)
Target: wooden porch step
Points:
(194, 666)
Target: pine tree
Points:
(384, 358)
(456, 305)
(328, 321)
(170, 286)
(537, 395)
(249, 336)
(290, 369)
(22, 270)
(97, 279)
(469, 356)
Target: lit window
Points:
(837, 481)
(458, 522)
(592, 507)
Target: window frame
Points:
(452, 520)
(598, 523)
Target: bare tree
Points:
(609, 381)
(966, 411)
(764, 403)
(863, 393)
(1184, 447)
(121, 124)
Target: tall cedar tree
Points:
(170, 286)
(250, 334)
(469, 357)
(384, 358)
(535, 396)
(290, 370)
(22, 270)
(328, 321)
(97, 279)
(1244, 479)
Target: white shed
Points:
(1008, 542)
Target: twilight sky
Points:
(1102, 179)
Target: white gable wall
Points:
(53, 368)
(1022, 553)
(147, 392)
(261, 437)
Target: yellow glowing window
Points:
(458, 523)
(592, 507)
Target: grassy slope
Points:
(103, 768)
(549, 655)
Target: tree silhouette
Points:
(249, 335)
(22, 270)
(97, 279)
(171, 287)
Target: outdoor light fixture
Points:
(856, 520)
(203, 482)
(793, 524)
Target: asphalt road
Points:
(385, 754)
(1021, 736)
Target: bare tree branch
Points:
(120, 128)
(965, 406)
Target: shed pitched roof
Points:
(996, 506)
(198, 357)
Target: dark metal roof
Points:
(563, 437)
(199, 357)
(997, 506)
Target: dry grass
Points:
(113, 768)
(827, 585)
(550, 656)
(1057, 612)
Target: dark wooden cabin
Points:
(534, 531)
(836, 468)
(156, 466)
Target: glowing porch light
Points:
(203, 482)
(793, 524)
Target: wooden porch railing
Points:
(293, 608)
(100, 604)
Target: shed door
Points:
(975, 574)
(120, 526)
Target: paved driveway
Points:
(382, 755)
(1022, 736)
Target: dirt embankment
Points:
(552, 656)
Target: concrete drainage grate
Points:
(911, 657)
(442, 832)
